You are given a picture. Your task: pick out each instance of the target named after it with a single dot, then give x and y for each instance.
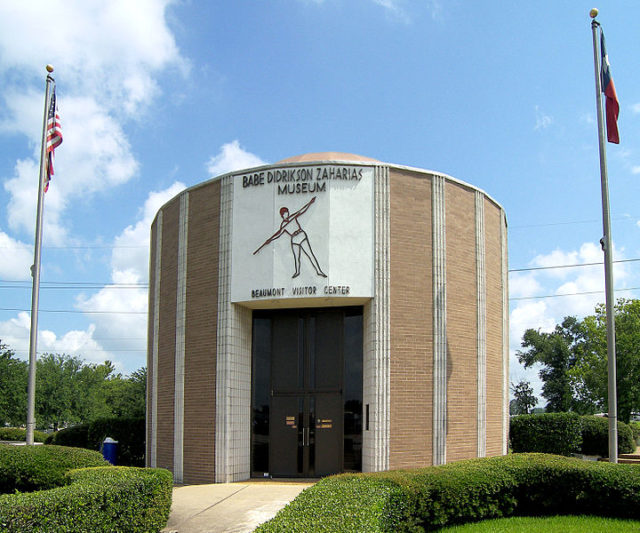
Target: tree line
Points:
(573, 362)
(68, 391)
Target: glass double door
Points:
(301, 432)
(306, 394)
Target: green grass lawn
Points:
(564, 524)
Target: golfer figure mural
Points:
(299, 240)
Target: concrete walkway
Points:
(229, 507)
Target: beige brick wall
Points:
(167, 334)
(495, 373)
(411, 322)
(462, 362)
(201, 335)
(152, 286)
(411, 364)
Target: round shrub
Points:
(429, 498)
(129, 432)
(555, 433)
(29, 468)
(595, 436)
(20, 435)
(96, 500)
(75, 436)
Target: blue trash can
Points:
(110, 450)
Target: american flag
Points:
(54, 136)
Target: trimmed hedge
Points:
(129, 432)
(105, 499)
(68, 498)
(556, 433)
(430, 498)
(29, 468)
(635, 429)
(595, 436)
(75, 436)
(566, 433)
(20, 435)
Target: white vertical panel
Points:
(223, 371)
(233, 370)
(181, 310)
(439, 322)
(376, 350)
(505, 333)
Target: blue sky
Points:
(155, 96)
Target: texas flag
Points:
(612, 106)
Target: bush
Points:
(635, 429)
(29, 468)
(342, 503)
(555, 433)
(75, 436)
(18, 434)
(595, 436)
(106, 499)
(429, 498)
(129, 432)
(67, 498)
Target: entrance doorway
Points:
(307, 392)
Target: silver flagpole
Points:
(35, 269)
(608, 252)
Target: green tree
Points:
(125, 396)
(90, 402)
(13, 388)
(590, 373)
(557, 352)
(57, 389)
(523, 398)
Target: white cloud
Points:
(94, 155)
(635, 108)
(15, 334)
(112, 49)
(107, 56)
(435, 7)
(117, 312)
(395, 9)
(131, 247)
(232, 157)
(18, 258)
(543, 120)
(544, 313)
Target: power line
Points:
(82, 247)
(630, 218)
(69, 311)
(570, 266)
(571, 294)
(70, 285)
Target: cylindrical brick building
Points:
(324, 314)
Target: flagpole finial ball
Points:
(49, 68)
(593, 13)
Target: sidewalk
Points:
(229, 507)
